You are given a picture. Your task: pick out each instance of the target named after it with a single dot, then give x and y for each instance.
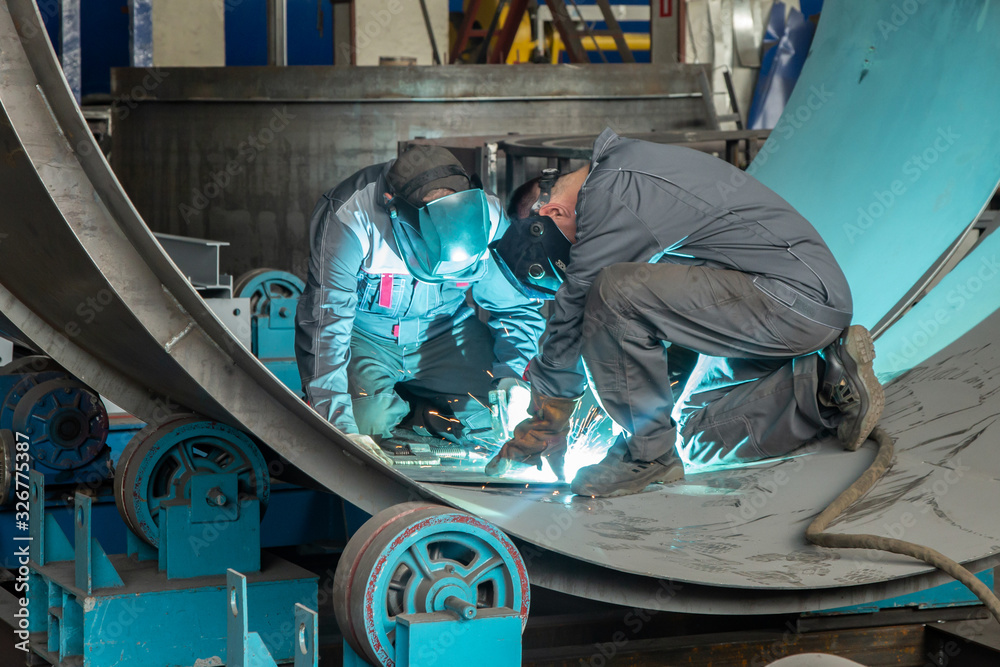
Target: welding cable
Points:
(883, 460)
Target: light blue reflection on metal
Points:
(965, 297)
(890, 143)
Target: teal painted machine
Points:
(191, 493)
(422, 584)
(274, 296)
(64, 419)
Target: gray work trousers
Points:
(450, 372)
(753, 393)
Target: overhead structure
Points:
(723, 541)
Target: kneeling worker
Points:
(393, 251)
(654, 244)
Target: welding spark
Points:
(477, 400)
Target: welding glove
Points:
(544, 434)
(366, 443)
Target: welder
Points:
(383, 320)
(655, 245)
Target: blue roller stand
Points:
(274, 297)
(90, 609)
(63, 419)
(492, 638)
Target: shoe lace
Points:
(640, 466)
(843, 393)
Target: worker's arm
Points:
(608, 232)
(515, 320)
(324, 319)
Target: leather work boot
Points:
(618, 474)
(849, 384)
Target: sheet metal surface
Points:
(889, 142)
(745, 527)
(965, 296)
(154, 342)
(215, 152)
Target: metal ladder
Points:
(565, 25)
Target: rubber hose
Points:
(883, 460)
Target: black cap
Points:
(421, 169)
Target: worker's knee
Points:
(379, 414)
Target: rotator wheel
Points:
(157, 465)
(7, 458)
(262, 285)
(65, 421)
(416, 558)
(33, 363)
(26, 381)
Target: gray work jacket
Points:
(646, 202)
(358, 281)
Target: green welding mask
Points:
(446, 239)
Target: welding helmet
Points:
(533, 253)
(445, 239)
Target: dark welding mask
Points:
(533, 253)
(445, 239)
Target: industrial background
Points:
(167, 498)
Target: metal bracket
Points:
(231, 536)
(48, 541)
(247, 649)
(491, 639)
(93, 567)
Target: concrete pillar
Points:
(395, 29)
(663, 30)
(343, 20)
(189, 33)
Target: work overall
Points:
(370, 338)
(675, 247)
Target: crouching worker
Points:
(650, 246)
(393, 251)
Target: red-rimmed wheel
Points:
(410, 558)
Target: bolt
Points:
(283, 312)
(216, 497)
(464, 610)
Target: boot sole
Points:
(861, 352)
(673, 474)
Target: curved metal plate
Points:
(889, 142)
(745, 527)
(125, 321)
